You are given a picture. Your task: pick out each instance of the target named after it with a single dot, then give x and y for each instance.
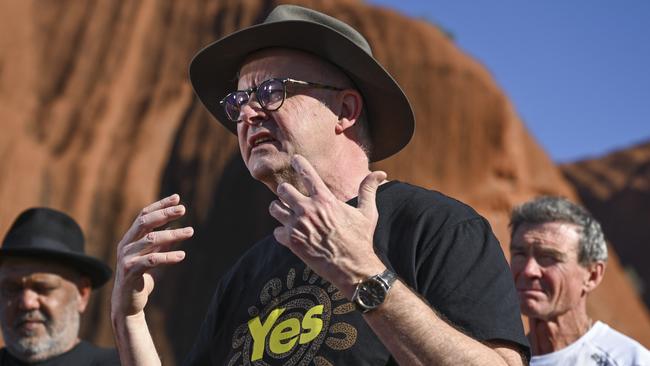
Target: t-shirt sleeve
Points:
(463, 273)
(201, 352)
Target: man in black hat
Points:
(45, 284)
(361, 271)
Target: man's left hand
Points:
(333, 238)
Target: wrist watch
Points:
(371, 292)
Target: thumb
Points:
(368, 192)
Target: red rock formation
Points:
(616, 188)
(98, 120)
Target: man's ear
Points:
(351, 106)
(84, 288)
(595, 274)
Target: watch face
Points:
(371, 293)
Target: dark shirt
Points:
(84, 353)
(271, 309)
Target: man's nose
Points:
(531, 268)
(252, 113)
(28, 300)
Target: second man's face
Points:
(548, 277)
(40, 308)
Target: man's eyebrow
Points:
(539, 249)
(551, 251)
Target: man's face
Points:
(40, 307)
(303, 125)
(544, 262)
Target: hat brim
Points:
(390, 117)
(97, 271)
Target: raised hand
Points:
(331, 237)
(142, 249)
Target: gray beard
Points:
(59, 337)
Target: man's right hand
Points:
(142, 249)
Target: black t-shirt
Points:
(83, 354)
(271, 307)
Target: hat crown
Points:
(284, 13)
(45, 234)
(41, 224)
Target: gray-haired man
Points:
(558, 258)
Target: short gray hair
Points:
(591, 248)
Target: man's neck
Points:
(343, 180)
(548, 336)
(345, 186)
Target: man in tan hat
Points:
(45, 283)
(360, 271)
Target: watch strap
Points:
(387, 278)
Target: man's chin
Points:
(269, 171)
(30, 349)
(531, 308)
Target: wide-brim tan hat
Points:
(390, 117)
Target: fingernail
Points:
(179, 209)
(188, 231)
(180, 255)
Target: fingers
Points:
(142, 248)
(293, 239)
(367, 193)
(157, 240)
(172, 200)
(155, 215)
(310, 178)
(290, 195)
(160, 217)
(143, 263)
(311, 181)
(280, 212)
(281, 234)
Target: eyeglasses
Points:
(270, 94)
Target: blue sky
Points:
(577, 71)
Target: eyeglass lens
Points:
(270, 95)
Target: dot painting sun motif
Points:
(293, 321)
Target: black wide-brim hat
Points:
(389, 114)
(50, 235)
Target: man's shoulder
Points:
(100, 356)
(84, 353)
(412, 200)
(618, 344)
(6, 358)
